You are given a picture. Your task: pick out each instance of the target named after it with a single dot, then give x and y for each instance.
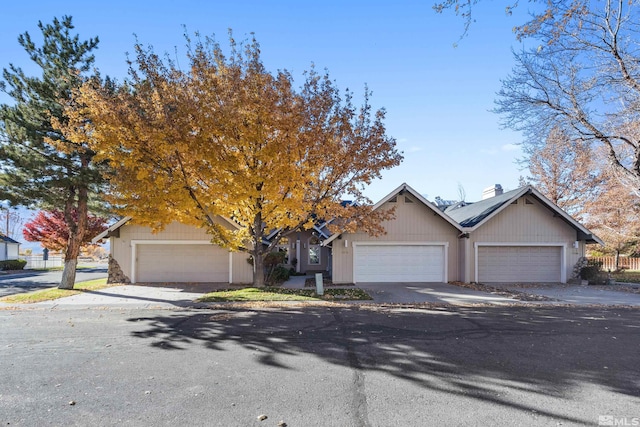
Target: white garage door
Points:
(399, 263)
(182, 263)
(519, 264)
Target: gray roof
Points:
(471, 214)
(6, 239)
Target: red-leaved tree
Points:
(51, 230)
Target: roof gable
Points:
(474, 215)
(405, 188)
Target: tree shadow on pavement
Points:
(470, 352)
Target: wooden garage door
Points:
(502, 264)
(399, 263)
(182, 263)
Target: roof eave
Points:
(590, 237)
(111, 229)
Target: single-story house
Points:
(9, 248)
(517, 236)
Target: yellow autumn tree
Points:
(226, 145)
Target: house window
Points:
(283, 246)
(314, 251)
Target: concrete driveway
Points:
(580, 294)
(405, 293)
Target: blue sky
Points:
(437, 96)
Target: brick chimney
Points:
(494, 190)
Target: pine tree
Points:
(39, 166)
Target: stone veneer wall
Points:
(115, 272)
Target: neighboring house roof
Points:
(111, 230)
(321, 227)
(401, 190)
(473, 215)
(7, 239)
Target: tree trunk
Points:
(258, 268)
(258, 251)
(77, 229)
(617, 259)
(69, 273)
(70, 262)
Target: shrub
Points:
(279, 274)
(13, 264)
(274, 271)
(274, 259)
(593, 273)
(590, 273)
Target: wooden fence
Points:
(609, 263)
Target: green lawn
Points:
(55, 293)
(629, 276)
(282, 294)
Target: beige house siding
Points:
(527, 223)
(414, 222)
(121, 247)
(242, 271)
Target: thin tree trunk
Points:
(70, 262)
(258, 251)
(617, 259)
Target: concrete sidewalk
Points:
(126, 296)
(295, 282)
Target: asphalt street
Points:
(319, 366)
(34, 280)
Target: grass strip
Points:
(55, 293)
(283, 294)
(627, 276)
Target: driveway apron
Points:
(405, 293)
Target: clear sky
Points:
(437, 96)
